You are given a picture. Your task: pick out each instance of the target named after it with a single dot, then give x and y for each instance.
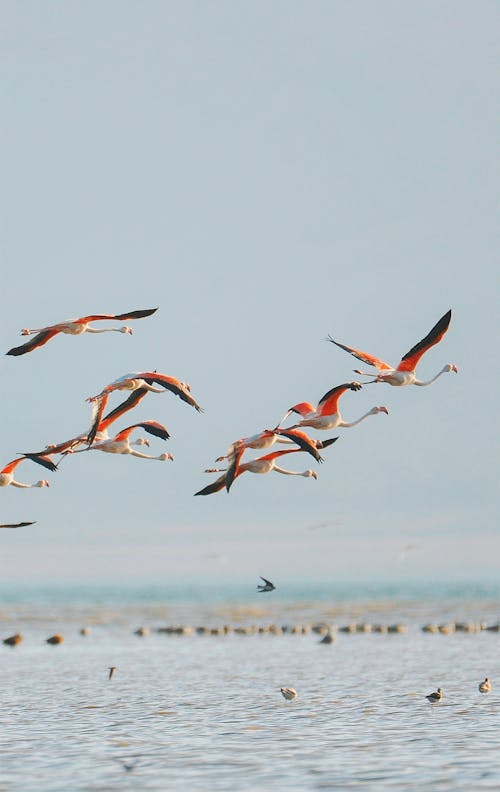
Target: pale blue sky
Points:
(267, 174)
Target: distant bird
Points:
(485, 687)
(404, 374)
(288, 693)
(112, 670)
(7, 474)
(326, 415)
(76, 327)
(55, 639)
(142, 381)
(120, 444)
(328, 638)
(13, 640)
(263, 464)
(268, 586)
(434, 698)
(16, 525)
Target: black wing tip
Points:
(16, 351)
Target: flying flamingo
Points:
(7, 473)
(76, 327)
(16, 525)
(102, 430)
(263, 464)
(404, 374)
(120, 444)
(326, 415)
(143, 382)
(295, 436)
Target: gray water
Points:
(206, 712)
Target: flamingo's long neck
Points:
(346, 425)
(306, 473)
(429, 382)
(107, 330)
(162, 457)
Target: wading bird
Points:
(7, 473)
(326, 415)
(76, 327)
(143, 382)
(289, 694)
(485, 687)
(435, 698)
(404, 374)
(263, 464)
(120, 444)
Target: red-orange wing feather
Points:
(370, 360)
(37, 341)
(410, 360)
(328, 403)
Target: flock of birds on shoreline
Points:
(323, 417)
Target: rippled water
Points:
(205, 712)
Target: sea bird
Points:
(434, 698)
(288, 693)
(7, 473)
(263, 464)
(485, 687)
(76, 327)
(326, 415)
(404, 374)
(268, 586)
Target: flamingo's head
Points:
(142, 441)
(451, 367)
(126, 329)
(42, 483)
(383, 409)
(310, 474)
(164, 457)
(25, 331)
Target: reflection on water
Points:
(206, 712)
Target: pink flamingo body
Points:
(76, 327)
(405, 374)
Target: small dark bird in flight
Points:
(268, 586)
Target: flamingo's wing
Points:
(134, 398)
(98, 407)
(17, 525)
(328, 442)
(370, 360)
(303, 441)
(302, 408)
(42, 459)
(327, 405)
(136, 314)
(155, 428)
(233, 467)
(215, 486)
(60, 448)
(410, 360)
(172, 384)
(122, 316)
(37, 341)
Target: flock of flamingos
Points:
(324, 416)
